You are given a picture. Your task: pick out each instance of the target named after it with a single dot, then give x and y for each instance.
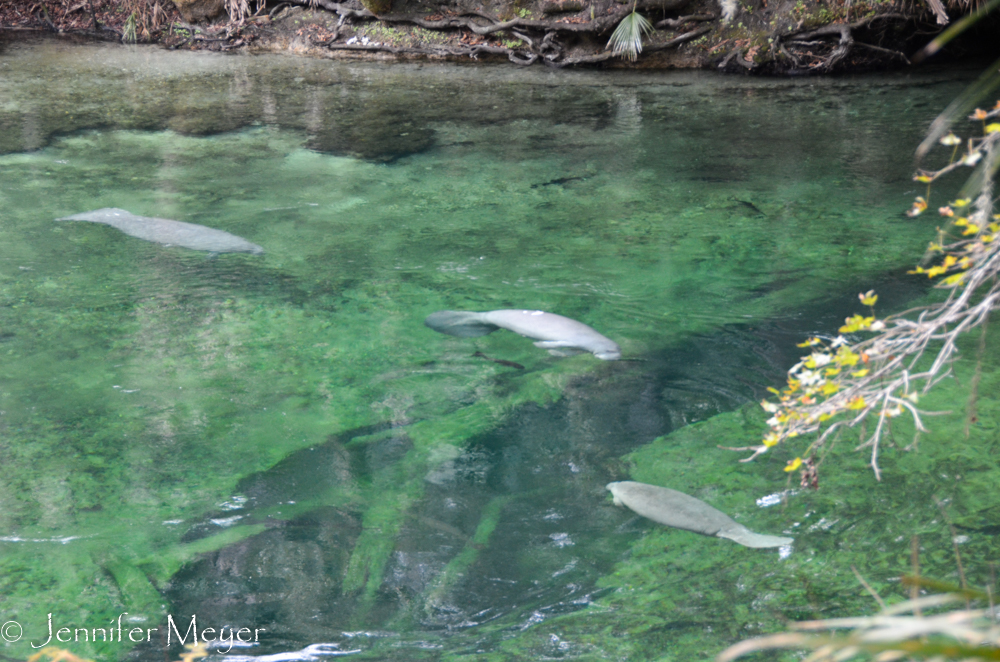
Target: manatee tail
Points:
(748, 538)
(463, 324)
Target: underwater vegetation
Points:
(277, 441)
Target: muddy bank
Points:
(785, 37)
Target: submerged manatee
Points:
(679, 510)
(167, 232)
(560, 335)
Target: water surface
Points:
(278, 442)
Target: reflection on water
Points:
(278, 442)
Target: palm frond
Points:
(627, 38)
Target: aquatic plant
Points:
(845, 380)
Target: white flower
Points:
(972, 158)
(820, 359)
(810, 377)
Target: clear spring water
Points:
(277, 442)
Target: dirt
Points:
(767, 36)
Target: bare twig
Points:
(886, 374)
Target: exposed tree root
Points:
(541, 37)
(817, 51)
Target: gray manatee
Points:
(681, 511)
(560, 335)
(167, 232)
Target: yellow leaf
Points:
(846, 357)
(856, 323)
(972, 229)
(860, 373)
(830, 372)
(773, 390)
(825, 417)
(992, 128)
(955, 279)
(922, 178)
(830, 388)
(771, 440)
(809, 343)
(857, 403)
(794, 464)
(868, 298)
(919, 205)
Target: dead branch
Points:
(893, 359)
(674, 23)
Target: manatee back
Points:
(461, 323)
(168, 232)
(549, 327)
(673, 508)
(189, 235)
(540, 325)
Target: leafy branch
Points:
(841, 382)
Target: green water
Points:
(278, 442)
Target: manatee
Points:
(681, 511)
(167, 232)
(560, 335)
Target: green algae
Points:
(680, 596)
(142, 386)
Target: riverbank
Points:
(785, 37)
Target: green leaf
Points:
(627, 38)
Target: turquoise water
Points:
(277, 442)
